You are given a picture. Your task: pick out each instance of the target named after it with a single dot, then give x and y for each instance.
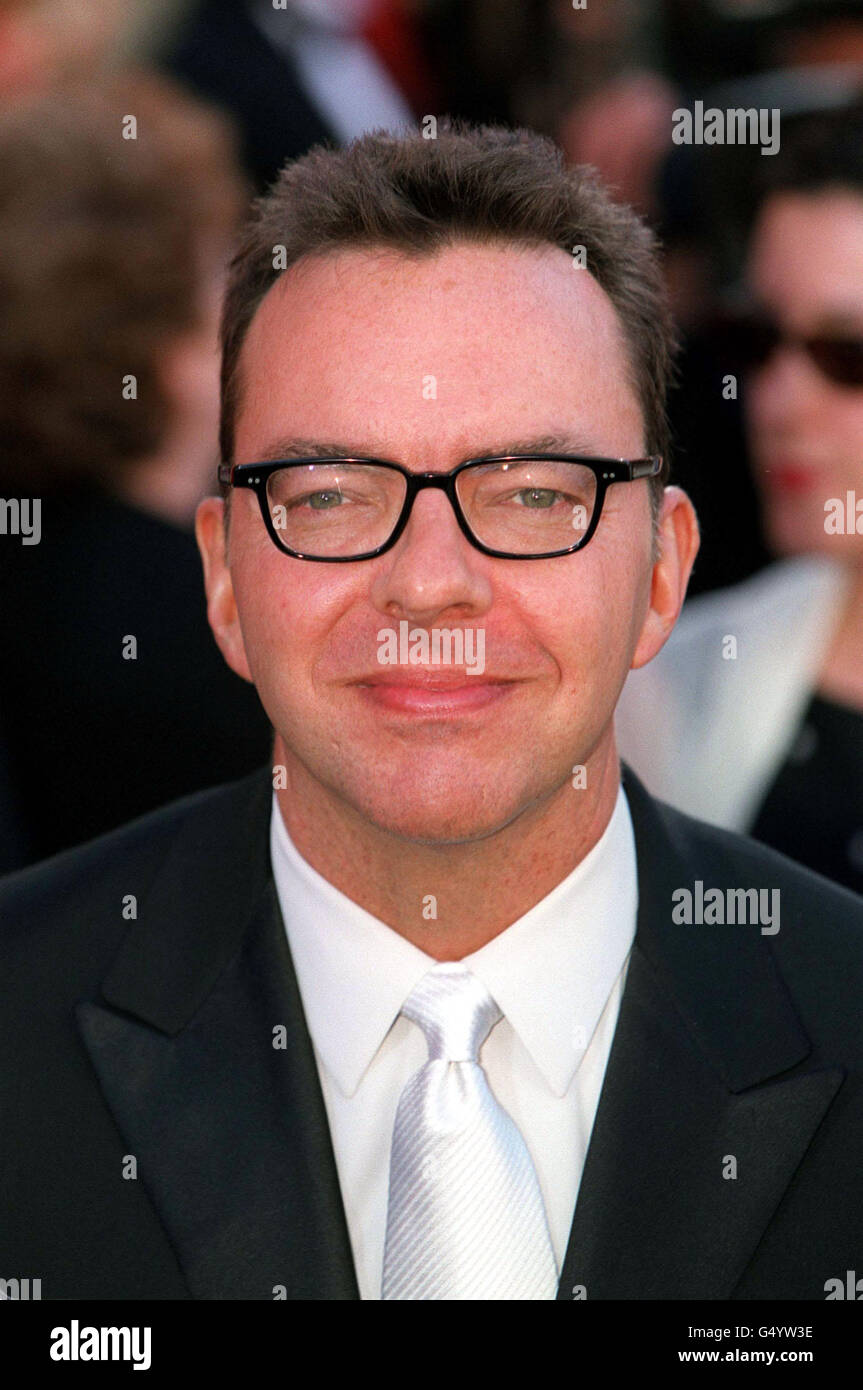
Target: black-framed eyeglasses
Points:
(511, 506)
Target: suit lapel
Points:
(705, 1078)
(229, 1131)
(657, 1217)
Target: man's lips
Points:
(425, 692)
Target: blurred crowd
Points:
(132, 138)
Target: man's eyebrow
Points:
(561, 443)
(557, 443)
(306, 448)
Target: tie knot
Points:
(454, 1010)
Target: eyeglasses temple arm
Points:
(647, 468)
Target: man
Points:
(452, 1015)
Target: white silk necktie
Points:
(466, 1218)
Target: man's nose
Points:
(432, 567)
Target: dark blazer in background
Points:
(152, 1039)
(222, 55)
(92, 739)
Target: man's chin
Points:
(431, 795)
(446, 818)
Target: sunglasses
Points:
(749, 340)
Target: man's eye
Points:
(320, 501)
(537, 498)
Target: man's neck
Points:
(449, 899)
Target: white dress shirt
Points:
(557, 974)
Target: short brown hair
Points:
(101, 246)
(417, 195)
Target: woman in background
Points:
(761, 686)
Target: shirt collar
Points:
(354, 972)
(550, 972)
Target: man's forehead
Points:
(352, 349)
(465, 276)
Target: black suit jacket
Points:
(146, 1045)
(222, 54)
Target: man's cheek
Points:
(592, 657)
(268, 647)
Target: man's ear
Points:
(678, 540)
(211, 536)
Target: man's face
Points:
(805, 432)
(428, 362)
